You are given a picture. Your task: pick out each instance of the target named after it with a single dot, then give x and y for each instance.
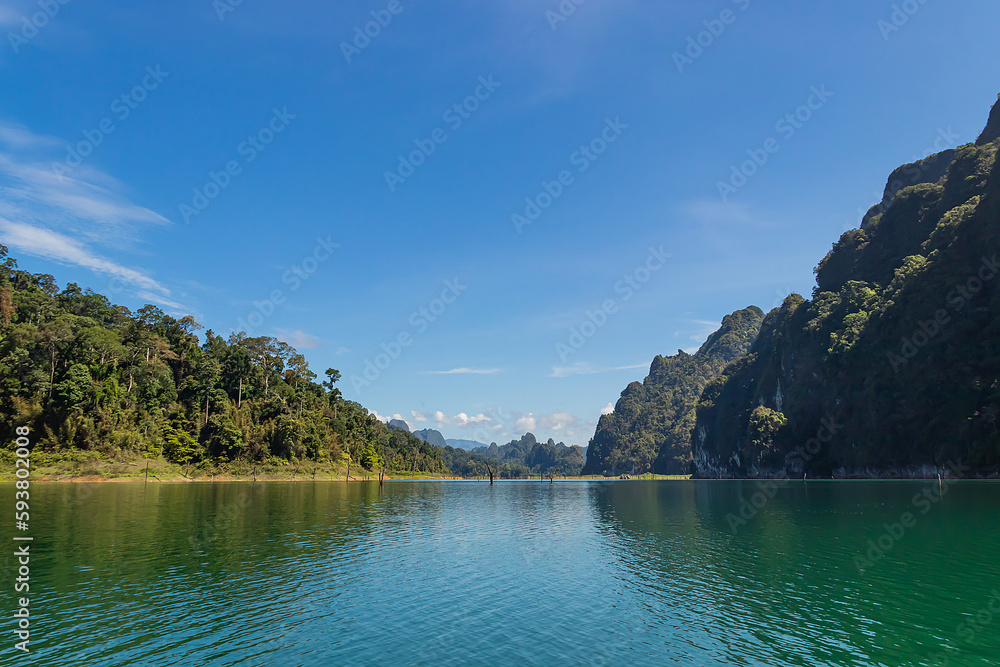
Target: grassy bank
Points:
(89, 466)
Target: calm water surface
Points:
(456, 573)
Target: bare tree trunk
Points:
(52, 373)
(239, 396)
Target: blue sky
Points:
(207, 157)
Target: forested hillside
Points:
(651, 426)
(89, 375)
(893, 366)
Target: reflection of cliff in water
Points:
(750, 579)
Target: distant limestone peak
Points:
(399, 425)
(432, 436)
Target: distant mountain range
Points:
(517, 459)
(467, 445)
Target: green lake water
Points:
(523, 573)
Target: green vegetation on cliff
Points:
(894, 364)
(651, 426)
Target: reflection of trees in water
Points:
(160, 561)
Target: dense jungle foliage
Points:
(85, 374)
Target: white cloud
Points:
(466, 371)
(299, 339)
(586, 368)
(557, 421)
(709, 212)
(701, 334)
(83, 202)
(55, 246)
(19, 137)
(498, 424)
(526, 424)
(461, 420)
(608, 409)
(60, 217)
(161, 301)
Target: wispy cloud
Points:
(9, 17)
(461, 420)
(299, 339)
(560, 422)
(709, 212)
(586, 368)
(54, 246)
(705, 328)
(61, 217)
(162, 301)
(500, 424)
(466, 371)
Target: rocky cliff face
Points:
(893, 367)
(650, 428)
(432, 436)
